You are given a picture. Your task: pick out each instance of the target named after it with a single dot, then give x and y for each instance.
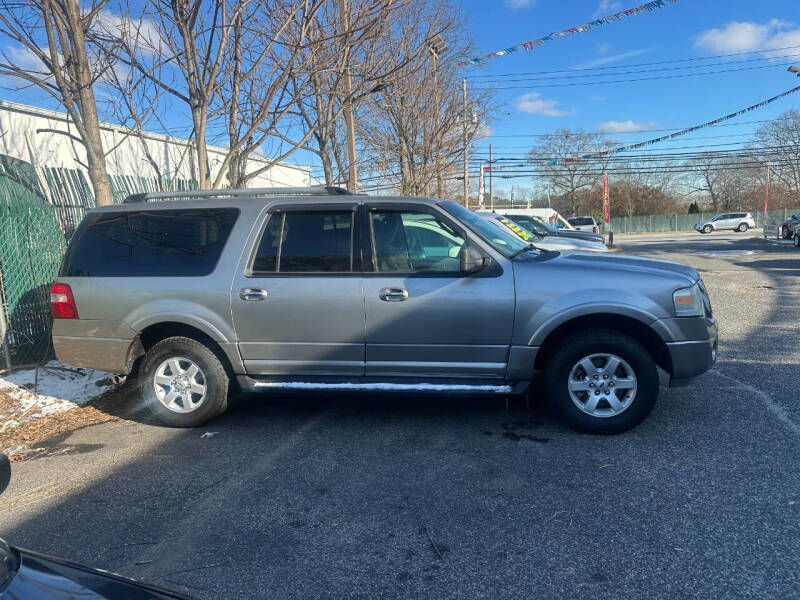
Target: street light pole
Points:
(352, 180)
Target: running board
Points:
(254, 384)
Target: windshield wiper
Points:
(527, 248)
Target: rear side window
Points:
(581, 221)
(162, 243)
(306, 242)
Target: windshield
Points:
(500, 238)
(581, 221)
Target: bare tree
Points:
(558, 156)
(405, 127)
(779, 140)
(53, 34)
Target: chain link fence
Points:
(39, 213)
(682, 222)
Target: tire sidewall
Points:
(579, 346)
(743, 227)
(708, 229)
(217, 383)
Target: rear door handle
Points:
(393, 294)
(250, 294)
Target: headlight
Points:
(689, 301)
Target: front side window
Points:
(306, 242)
(500, 238)
(151, 243)
(413, 242)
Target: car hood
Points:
(563, 244)
(681, 274)
(580, 235)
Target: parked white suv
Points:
(583, 223)
(738, 221)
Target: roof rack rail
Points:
(316, 190)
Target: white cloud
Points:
(613, 58)
(484, 131)
(747, 36)
(626, 126)
(141, 32)
(534, 104)
(607, 7)
(515, 4)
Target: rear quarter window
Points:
(155, 243)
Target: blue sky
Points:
(687, 29)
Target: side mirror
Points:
(5, 472)
(471, 259)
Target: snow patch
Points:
(59, 388)
(418, 387)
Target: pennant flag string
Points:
(664, 138)
(531, 44)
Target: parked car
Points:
(542, 229)
(789, 226)
(739, 221)
(548, 215)
(548, 242)
(584, 224)
(26, 575)
(266, 289)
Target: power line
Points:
(633, 80)
(636, 72)
(645, 64)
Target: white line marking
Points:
(775, 408)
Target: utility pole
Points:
(352, 180)
(466, 144)
(436, 46)
(766, 195)
(491, 198)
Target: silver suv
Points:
(259, 290)
(739, 221)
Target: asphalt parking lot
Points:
(442, 497)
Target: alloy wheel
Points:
(180, 384)
(602, 385)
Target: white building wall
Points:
(48, 132)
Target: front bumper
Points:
(691, 358)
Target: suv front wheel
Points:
(183, 382)
(601, 381)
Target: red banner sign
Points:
(606, 204)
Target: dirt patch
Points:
(35, 437)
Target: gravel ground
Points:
(335, 495)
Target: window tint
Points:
(408, 242)
(581, 221)
(306, 242)
(266, 258)
(159, 243)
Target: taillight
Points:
(594, 229)
(62, 303)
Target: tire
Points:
(595, 344)
(796, 240)
(174, 357)
(742, 227)
(708, 229)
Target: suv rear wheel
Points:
(183, 382)
(601, 381)
(742, 227)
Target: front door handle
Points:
(393, 294)
(250, 294)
